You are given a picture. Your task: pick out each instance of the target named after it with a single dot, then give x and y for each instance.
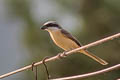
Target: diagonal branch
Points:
(67, 53)
(89, 74)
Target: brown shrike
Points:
(66, 41)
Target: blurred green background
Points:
(22, 41)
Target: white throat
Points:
(52, 29)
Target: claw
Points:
(62, 55)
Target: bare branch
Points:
(67, 53)
(90, 74)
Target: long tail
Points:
(101, 61)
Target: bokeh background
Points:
(22, 42)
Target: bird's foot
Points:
(62, 55)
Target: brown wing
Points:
(67, 34)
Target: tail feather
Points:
(96, 58)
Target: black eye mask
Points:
(50, 25)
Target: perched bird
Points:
(66, 41)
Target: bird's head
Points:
(50, 26)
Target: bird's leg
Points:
(43, 61)
(35, 70)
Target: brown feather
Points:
(69, 36)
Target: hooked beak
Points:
(43, 27)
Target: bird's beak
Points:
(43, 27)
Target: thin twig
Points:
(67, 53)
(89, 74)
(34, 71)
(48, 75)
